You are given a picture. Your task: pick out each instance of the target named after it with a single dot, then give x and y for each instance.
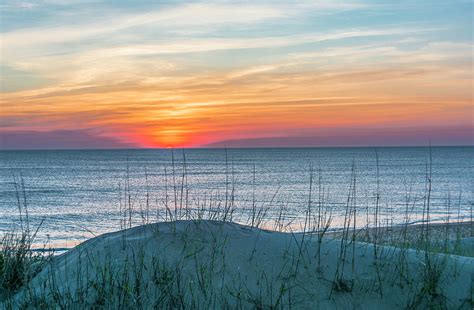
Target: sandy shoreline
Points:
(386, 234)
(451, 230)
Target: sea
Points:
(69, 196)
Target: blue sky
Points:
(191, 73)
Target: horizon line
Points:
(232, 147)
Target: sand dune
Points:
(212, 264)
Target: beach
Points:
(204, 264)
(196, 233)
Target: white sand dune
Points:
(210, 264)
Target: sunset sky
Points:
(93, 74)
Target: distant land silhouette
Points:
(381, 137)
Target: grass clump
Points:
(18, 261)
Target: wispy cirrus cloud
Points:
(131, 53)
(184, 15)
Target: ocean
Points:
(77, 194)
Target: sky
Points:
(125, 74)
